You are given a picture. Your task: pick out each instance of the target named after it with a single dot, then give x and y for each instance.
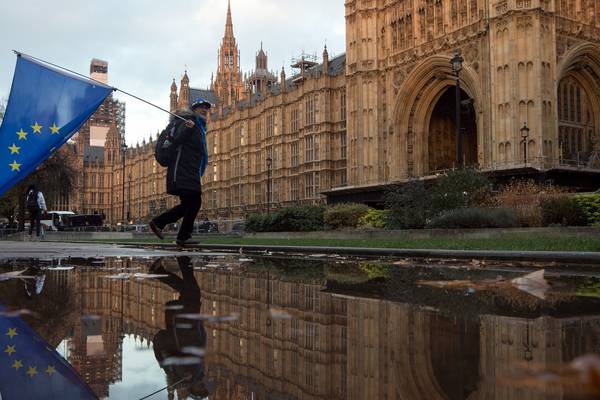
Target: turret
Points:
(282, 79)
(325, 61)
(173, 104)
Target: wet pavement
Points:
(229, 326)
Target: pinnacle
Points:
(229, 23)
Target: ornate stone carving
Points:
(471, 53)
(524, 22)
(399, 76)
(501, 7)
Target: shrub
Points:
(564, 211)
(465, 218)
(290, 219)
(259, 222)
(590, 204)
(525, 197)
(299, 218)
(459, 188)
(345, 215)
(407, 205)
(374, 218)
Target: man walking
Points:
(34, 199)
(184, 172)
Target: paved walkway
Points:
(48, 250)
(12, 250)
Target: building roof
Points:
(337, 65)
(205, 94)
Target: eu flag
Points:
(31, 369)
(45, 108)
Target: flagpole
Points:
(19, 54)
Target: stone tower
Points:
(228, 84)
(261, 79)
(173, 98)
(184, 91)
(524, 62)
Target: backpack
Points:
(32, 200)
(165, 150)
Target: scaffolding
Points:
(302, 65)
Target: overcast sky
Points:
(148, 43)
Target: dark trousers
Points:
(34, 219)
(187, 209)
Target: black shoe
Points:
(157, 231)
(187, 242)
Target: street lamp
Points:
(456, 62)
(123, 151)
(524, 135)
(269, 165)
(129, 200)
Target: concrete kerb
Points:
(539, 256)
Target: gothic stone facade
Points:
(384, 111)
(517, 54)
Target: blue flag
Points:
(45, 108)
(31, 369)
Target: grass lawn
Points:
(505, 242)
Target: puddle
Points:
(232, 327)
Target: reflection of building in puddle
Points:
(334, 347)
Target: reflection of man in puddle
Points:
(33, 286)
(178, 348)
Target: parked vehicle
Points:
(239, 227)
(206, 227)
(56, 220)
(82, 222)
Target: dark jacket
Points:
(183, 173)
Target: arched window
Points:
(575, 121)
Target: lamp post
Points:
(129, 200)
(123, 151)
(269, 165)
(524, 135)
(456, 62)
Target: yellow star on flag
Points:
(12, 332)
(10, 350)
(31, 371)
(14, 149)
(54, 129)
(50, 370)
(22, 134)
(37, 128)
(17, 364)
(15, 167)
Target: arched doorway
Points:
(576, 121)
(421, 91)
(441, 138)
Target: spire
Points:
(229, 23)
(325, 61)
(282, 78)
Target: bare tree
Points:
(54, 177)
(3, 102)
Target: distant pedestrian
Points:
(34, 200)
(184, 171)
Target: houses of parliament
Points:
(384, 112)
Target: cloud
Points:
(147, 44)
